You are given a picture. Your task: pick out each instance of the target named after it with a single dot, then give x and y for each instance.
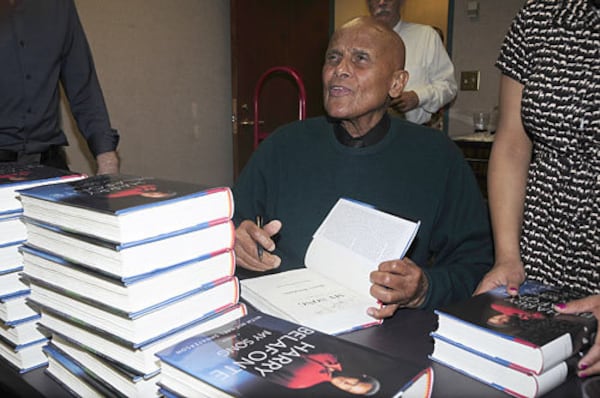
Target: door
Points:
(267, 33)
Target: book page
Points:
(309, 298)
(366, 231)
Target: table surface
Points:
(406, 335)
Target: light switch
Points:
(469, 80)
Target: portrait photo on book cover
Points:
(268, 356)
(530, 315)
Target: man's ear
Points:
(399, 80)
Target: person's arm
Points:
(108, 163)
(507, 178)
(86, 100)
(442, 87)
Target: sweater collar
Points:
(372, 137)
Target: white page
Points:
(375, 235)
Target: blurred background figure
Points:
(431, 82)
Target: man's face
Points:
(352, 385)
(358, 74)
(385, 11)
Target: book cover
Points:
(15, 176)
(118, 208)
(139, 360)
(523, 330)
(497, 373)
(132, 260)
(352, 241)
(263, 356)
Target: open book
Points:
(332, 293)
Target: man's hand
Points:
(247, 236)
(108, 163)
(590, 363)
(397, 284)
(407, 101)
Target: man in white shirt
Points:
(431, 82)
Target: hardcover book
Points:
(10, 258)
(22, 333)
(125, 208)
(132, 295)
(138, 328)
(24, 358)
(263, 356)
(73, 377)
(118, 380)
(522, 331)
(12, 230)
(15, 309)
(14, 177)
(351, 242)
(139, 360)
(131, 260)
(496, 373)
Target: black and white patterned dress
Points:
(553, 49)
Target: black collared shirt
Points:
(42, 43)
(372, 137)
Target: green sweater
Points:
(298, 173)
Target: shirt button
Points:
(21, 43)
(28, 76)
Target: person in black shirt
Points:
(42, 44)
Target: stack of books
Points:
(122, 266)
(517, 344)
(20, 340)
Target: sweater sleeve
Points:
(461, 242)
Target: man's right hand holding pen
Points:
(249, 237)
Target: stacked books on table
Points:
(519, 344)
(264, 356)
(20, 340)
(123, 266)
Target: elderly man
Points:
(431, 84)
(358, 151)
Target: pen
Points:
(259, 248)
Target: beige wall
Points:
(165, 71)
(476, 43)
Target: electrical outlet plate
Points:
(469, 80)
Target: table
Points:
(406, 335)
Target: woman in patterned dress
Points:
(544, 170)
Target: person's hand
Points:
(396, 284)
(590, 363)
(505, 273)
(407, 101)
(247, 236)
(108, 163)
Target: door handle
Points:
(251, 122)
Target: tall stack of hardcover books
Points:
(517, 344)
(20, 340)
(122, 266)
